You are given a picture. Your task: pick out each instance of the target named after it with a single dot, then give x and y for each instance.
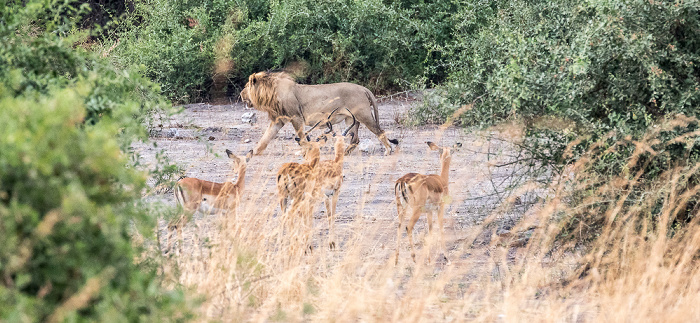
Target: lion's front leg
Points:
(270, 133)
(298, 125)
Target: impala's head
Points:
(445, 152)
(238, 161)
(310, 150)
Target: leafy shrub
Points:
(602, 73)
(33, 60)
(172, 41)
(599, 66)
(382, 45)
(603, 65)
(656, 188)
(67, 204)
(68, 195)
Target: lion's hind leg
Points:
(373, 126)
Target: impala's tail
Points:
(179, 195)
(400, 187)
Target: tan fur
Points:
(194, 194)
(263, 95)
(329, 179)
(423, 193)
(277, 94)
(295, 181)
(305, 184)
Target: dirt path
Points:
(196, 139)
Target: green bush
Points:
(69, 195)
(182, 44)
(602, 65)
(37, 56)
(67, 208)
(172, 42)
(597, 66)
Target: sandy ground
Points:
(196, 138)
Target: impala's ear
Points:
(298, 140)
(249, 155)
(432, 145)
(235, 158)
(322, 139)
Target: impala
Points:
(329, 174)
(194, 194)
(423, 194)
(303, 184)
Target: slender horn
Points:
(354, 121)
(306, 134)
(312, 128)
(332, 112)
(328, 122)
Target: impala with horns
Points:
(194, 194)
(294, 180)
(423, 194)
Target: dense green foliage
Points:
(604, 65)
(187, 45)
(606, 74)
(572, 69)
(68, 197)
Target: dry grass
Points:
(254, 265)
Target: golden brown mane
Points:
(262, 92)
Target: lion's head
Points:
(261, 92)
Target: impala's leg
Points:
(185, 216)
(440, 217)
(172, 231)
(429, 237)
(329, 216)
(271, 132)
(282, 196)
(331, 220)
(283, 203)
(401, 210)
(355, 135)
(180, 240)
(429, 216)
(409, 229)
(309, 217)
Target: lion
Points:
(284, 100)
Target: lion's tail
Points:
(373, 102)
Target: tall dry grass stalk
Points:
(254, 264)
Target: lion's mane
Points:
(263, 92)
